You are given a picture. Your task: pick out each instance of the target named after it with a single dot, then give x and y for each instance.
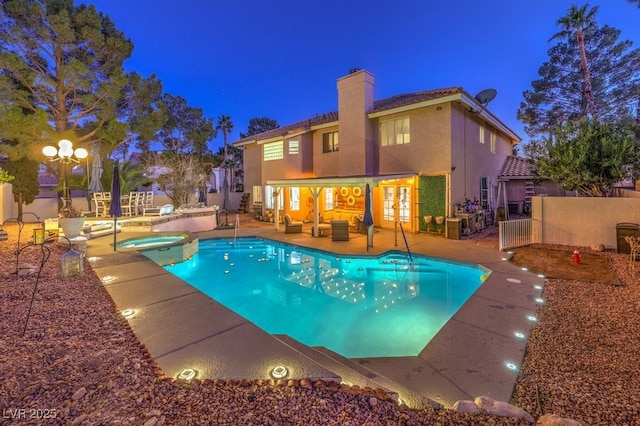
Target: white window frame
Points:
(492, 142)
(273, 151)
(268, 198)
(294, 198)
(395, 132)
(334, 142)
(481, 135)
(257, 194)
(294, 147)
(328, 199)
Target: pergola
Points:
(316, 185)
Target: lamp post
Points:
(66, 155)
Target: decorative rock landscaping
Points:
(79, 363)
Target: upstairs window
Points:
(294, 147)
(492, 143)
(330, 142)
(481, 135)
(273, 151)
(395, 132)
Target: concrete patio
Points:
(477, 352)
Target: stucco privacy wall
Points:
(582, 221)
(46, 208)
(6, 202)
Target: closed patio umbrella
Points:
(368, 217)
(225, 199)
(115, 209)
(95, 185)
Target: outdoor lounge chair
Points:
(340, 230)
(290, 226)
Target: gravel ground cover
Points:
(78, 362)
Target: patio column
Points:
(276, 206)
(315, 191)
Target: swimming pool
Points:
(356, 306)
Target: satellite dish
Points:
(486, 96)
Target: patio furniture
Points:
(634, 253)
(291, 226)
(324, 229)
(129, 205)
(99, 201)
(340, 230)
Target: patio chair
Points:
(101, 206)
(291, 226)
(130, 208)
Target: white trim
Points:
(418, 105)
(325, 125)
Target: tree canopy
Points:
(62, 77)
(558, 96)
(258, 125)
(590, 157)
(186, 160)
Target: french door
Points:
(396, 206)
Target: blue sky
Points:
(281, 58)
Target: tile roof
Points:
(516, 167)
(380, 105)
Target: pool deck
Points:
(469, 357)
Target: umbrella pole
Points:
(115, 231)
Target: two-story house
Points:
(421, 153)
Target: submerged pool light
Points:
(279, 372)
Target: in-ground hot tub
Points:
(164, 248)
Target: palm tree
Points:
(225, 126)
(573, 25)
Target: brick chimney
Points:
(356, 137)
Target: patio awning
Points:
(328, 182)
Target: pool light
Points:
(279, 372)
(127, 312)
(187, 374)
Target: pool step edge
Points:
(356, 374)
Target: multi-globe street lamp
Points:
(66, 155)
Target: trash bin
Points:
(454, 228)
(626, 230)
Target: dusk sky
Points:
(281, 58)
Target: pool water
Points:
(156, 240)
(359, 307)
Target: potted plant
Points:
(71, 220)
